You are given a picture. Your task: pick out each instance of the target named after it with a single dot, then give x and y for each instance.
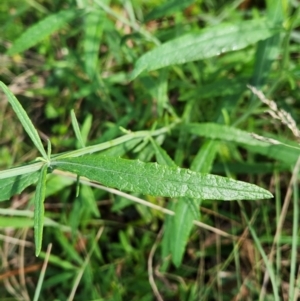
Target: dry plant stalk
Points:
(286, 119)
(276, 113)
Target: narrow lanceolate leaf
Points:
(39, 209)
(223, 132)
(219, 131)
(21, 170)
(76, 128)
(41, 30)
(208, 43)
(24, 119)
(158, 180)
(16, 184)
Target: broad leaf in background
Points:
(208, 43)
(158, 180)
(222, 87)
(16, 184)
(279, 152)
(41, 30)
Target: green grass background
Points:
(83, 55)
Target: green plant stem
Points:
(39, 210)
(117, 141)
(21, 170)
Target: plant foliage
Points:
(165, 132)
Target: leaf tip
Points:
(37, 252)
(265, 194)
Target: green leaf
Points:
(167, 246)
(187, 209)
(39, 210)
(76, 128)
(217, 131)
(121, 149)
(93, 32)
(16, 184)
(221, 87)
(154, 179)
(168, 8)
(225, 132)
(176, 228)
(115, 142)
(24, 119)
(86, 127)
(208, 43)
(41, 30)
(21, 170)
(162, 157)
(205, 157)
(269, 49)
(56, 183)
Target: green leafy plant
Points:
(177, 70)
(134, 176)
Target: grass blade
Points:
(162, 157)
(41, 30)
(210, 42)
(24, 119)
(224, 132)
(93, 33)
(176, 228)
(39, 210)
(123, 139)
(76, 128)
(269, 49)
(187, 210)
(154, 179)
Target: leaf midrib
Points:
(251, 188)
